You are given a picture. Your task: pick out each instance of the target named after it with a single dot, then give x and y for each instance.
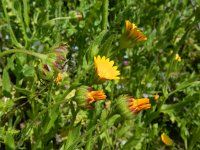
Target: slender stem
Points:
(38, 55)
(12, 34)
(60, 18)
(105, 14)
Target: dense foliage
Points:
(47, 51)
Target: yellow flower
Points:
(58, 78)
(136, 105)
(166, 139)
(85, 96)
(156, 96)
(178, 58)
(105, 69)
(131, 35)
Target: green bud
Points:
(122, 106)
(81, 96)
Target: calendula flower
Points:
(85, 96)
(166, 139)
(93, 96)
(136, 105)
(177, 57)
(105, 69)
(128, 105)
(131, 35)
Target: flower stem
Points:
(105, 14)
(38, 55)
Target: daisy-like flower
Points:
(166, 139)
(128, 105)
(105, 69)
(85, 96)
(131, 35)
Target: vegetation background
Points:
(38, 113)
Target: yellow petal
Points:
(105, 69)
(166, 139)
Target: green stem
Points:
(12, 34)
(59, 18)
(38, 55)
(105, 14)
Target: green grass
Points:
(38, 113)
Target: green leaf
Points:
(6, 87)
(9, 142)
(52, 118)
(179, 106)
(21, 59)
(74, 135)
(185, 85)
(11, 64)
(23, 91)
(28, 71)
(107, 46)
(195, 137)
(93, 50)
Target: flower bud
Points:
(131, 35)
(52, 66)
(128, 105)
(85, 96)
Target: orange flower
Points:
(136, 105)
(93, 96)
(131, 35)
(85, 96)
(128, 106)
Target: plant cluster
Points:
(99, 74)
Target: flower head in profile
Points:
(105, 69)
(131, 35)
(136, 105)
(166, 139)
(128, 105)
(85, 96)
